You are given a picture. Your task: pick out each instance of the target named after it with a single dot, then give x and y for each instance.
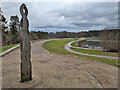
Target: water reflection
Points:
(92, 44)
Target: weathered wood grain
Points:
(25, 46)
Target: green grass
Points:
(75, 43)
(95, 52)
(2, 49)
(57, 46)
(105, 60)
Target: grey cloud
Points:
(65, 16)
(91, 12)
(55, 27)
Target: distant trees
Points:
(3, 27)
(0, 27)
(35, 35)
(42, 35)
(62, 34)
(65, 34)
(10, 34)
(94, 33)
(110, 40)
(52, 35)
(14, 29)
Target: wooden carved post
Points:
(25, 47)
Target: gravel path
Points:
(58, 71)
(68, 45)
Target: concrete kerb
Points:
(9, 50)
(12, 49)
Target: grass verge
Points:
(2, 49)
(57, 46)
(95, 52)
(106, 60)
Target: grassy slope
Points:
(2, 49)
(95, 52)
(57, 46)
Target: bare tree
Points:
(110, 40)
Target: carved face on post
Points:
(25, 47)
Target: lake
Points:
(92, 44)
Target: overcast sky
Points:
(66, 16)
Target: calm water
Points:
(93, 44)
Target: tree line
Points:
(10, 33)
(65, 34)
(110, 40)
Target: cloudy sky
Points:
(66, 16)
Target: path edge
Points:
(12, 49)
(9, 50)
(68, 45)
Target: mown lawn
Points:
(57, 46)
(2, 49)
(95, 52)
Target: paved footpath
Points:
(68, 45)
(58, 71)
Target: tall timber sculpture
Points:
(25, 46)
